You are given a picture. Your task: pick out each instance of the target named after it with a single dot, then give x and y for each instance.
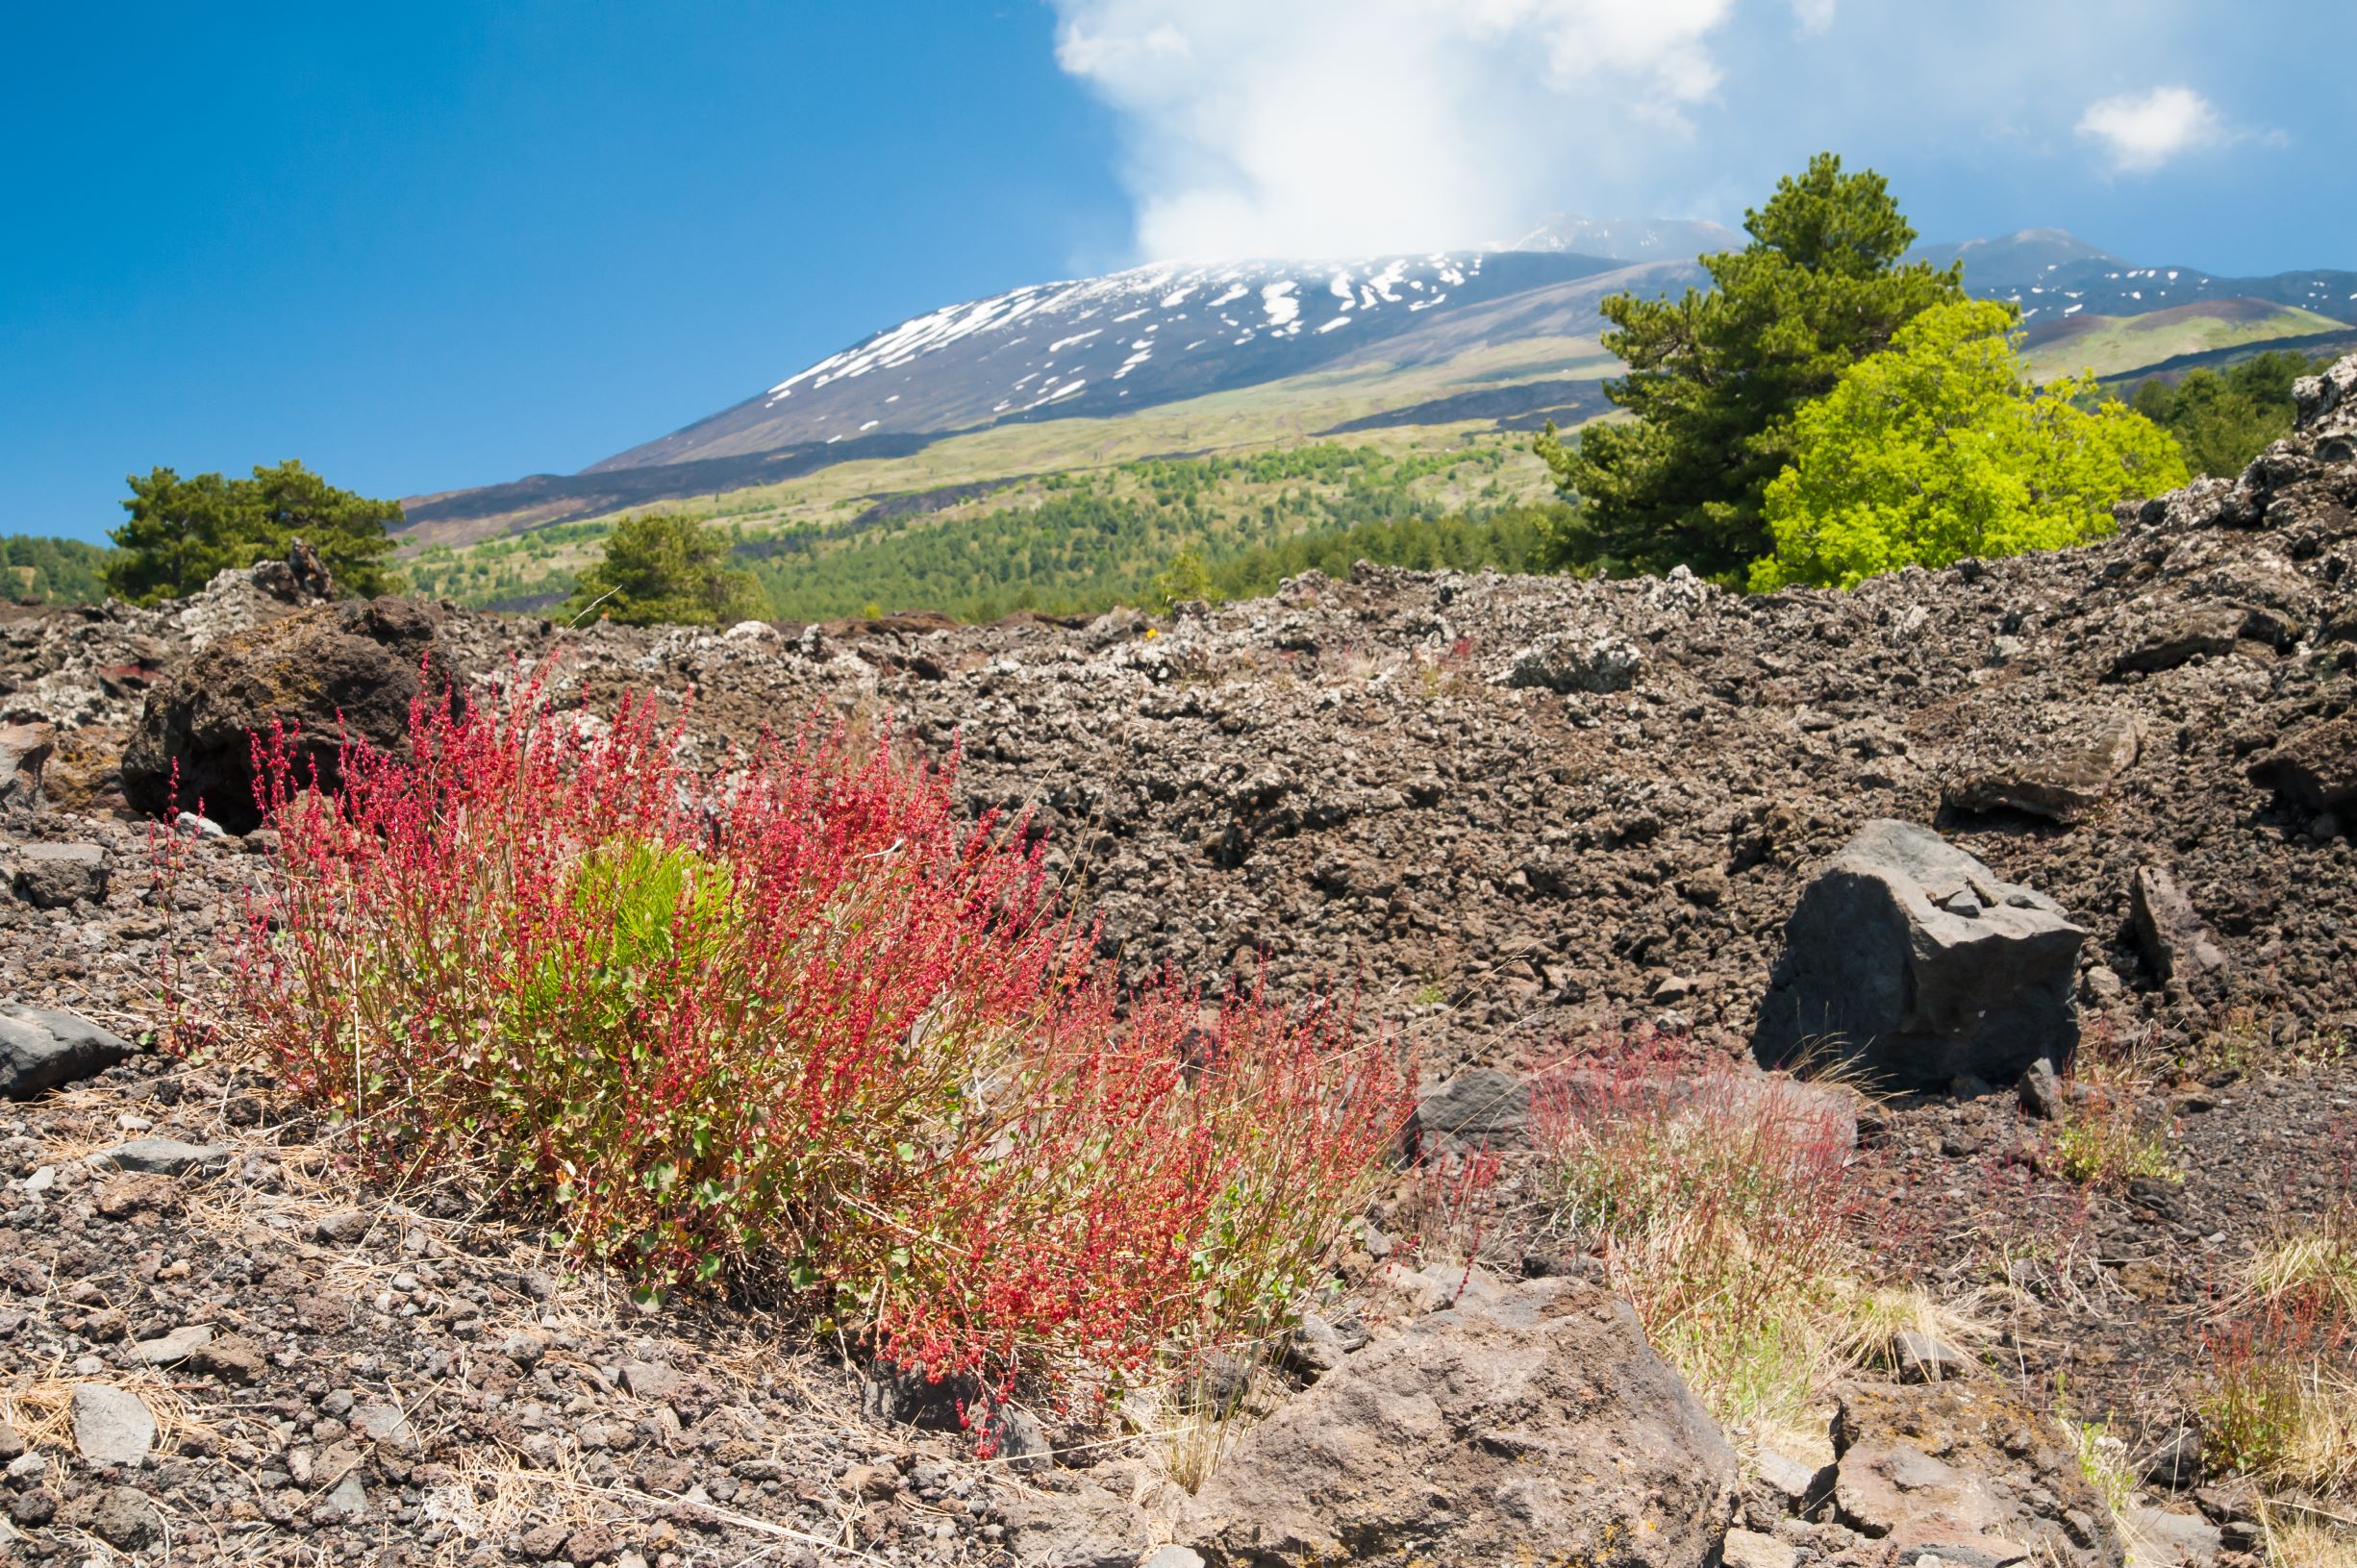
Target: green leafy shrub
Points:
(665, 570)
(1943, 448)
(798, 1030)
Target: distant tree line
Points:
(36, 570)
(2223, 418)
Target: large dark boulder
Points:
(335, 673)
(1532, 1423)
(1913, 961)
(41, 1048)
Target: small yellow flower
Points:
(1151, 633)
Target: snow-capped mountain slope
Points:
(2053, 274)
(1103, 346)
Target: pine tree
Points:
(1714, 379)
(667, 569)
(181, 532)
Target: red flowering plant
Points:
(798, 1027)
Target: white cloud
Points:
(1814, 15)
(1350, 127)
(2142, 130)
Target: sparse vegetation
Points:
(2104, 1147)
(801, 1031)
(1723, 1212)
(2278, 1398)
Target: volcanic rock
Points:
(60, 876)
(25, 749)
(2063, 774)
(2314, 769)
(1967, 1472)
(2204, 628)
(41, 1048)
(1570, 661)
(1915, 960)
(1484, 1108)
(2181, 949)
(112, 1425)
(1536, 1422)
(159, 1157)
(329, 675)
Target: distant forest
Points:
(37, 570)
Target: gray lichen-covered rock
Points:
(1532, 1425)
(161, 1156)
(1482, 1107)
(1914, 960)
(112, 1425)
(1572, 661)
(41, 1048)
(60, 876)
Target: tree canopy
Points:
(183, 532)
(2224, 419)
(1714, 379)
(665, 568)
(1943, 448)
(51, 571)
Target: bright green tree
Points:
(181, 532)
(665, 568)
(1943, 448)
(1716, 378)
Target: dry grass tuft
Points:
(2299, 1536)
(2321, 1262)
(1720, 1202)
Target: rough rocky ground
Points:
(1513, 813)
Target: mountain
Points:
(1102, 346)
(2084, 308)
(1627, 240)
(1440, 338)
(2020, 260)
(1189, 357)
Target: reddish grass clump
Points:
(798, 1027)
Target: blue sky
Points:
(434, 246)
